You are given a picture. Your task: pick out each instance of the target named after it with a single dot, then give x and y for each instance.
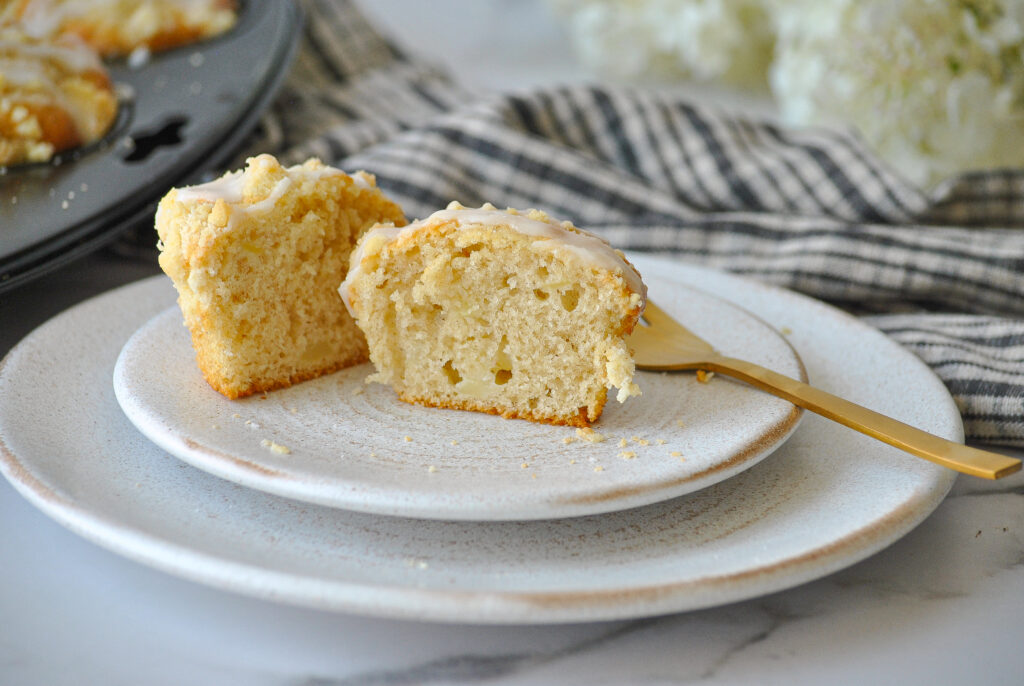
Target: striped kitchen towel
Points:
(942, 272)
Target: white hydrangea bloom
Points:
(726, 41)
(934, 86)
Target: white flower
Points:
(709, 40)
(934, 86)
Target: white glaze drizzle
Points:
(37, 68)
(44, 17)
(230, 187)
(26, 73)
(70, 55)
(363, 180)
(267, 204)
(227, 188)
(583, 245)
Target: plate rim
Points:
(467, 606)
(380, 498)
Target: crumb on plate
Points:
(276, 447)
(589, 435)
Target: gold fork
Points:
(666, 345)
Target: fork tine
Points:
(666, 344)
(656, 316)
(663, 327)
(652, 313)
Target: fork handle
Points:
(956, 456)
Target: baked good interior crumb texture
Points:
(117, 27)
(497, 311)
(54, 95)
(256, 257)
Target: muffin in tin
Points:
(118, 27)
(55, 95)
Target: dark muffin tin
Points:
(183, 113)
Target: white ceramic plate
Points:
(359, 447)
(826, 499)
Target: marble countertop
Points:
(944, 605)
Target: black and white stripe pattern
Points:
(981, 360)
(812, 210)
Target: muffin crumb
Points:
(276, 447)
(589, 435)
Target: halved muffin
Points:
(256, 257)
(497, 311)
